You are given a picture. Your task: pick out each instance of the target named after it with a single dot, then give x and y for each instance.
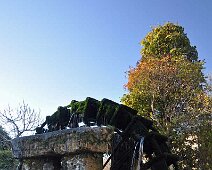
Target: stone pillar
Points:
(72, 149)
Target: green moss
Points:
(77, 107)
(106, 111)
(90, 110)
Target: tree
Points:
(20, 120)
(168, 39)
(163, 87)
(168, 86)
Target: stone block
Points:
(71, 149)
(63, 142)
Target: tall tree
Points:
(168, 86)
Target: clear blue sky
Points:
(53, 51)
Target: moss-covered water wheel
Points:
(135, 135)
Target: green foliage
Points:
(4, 139)
(7, 161)
(168, 39)
(205, 144)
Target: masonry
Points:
(70, 149)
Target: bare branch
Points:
(20, 120)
